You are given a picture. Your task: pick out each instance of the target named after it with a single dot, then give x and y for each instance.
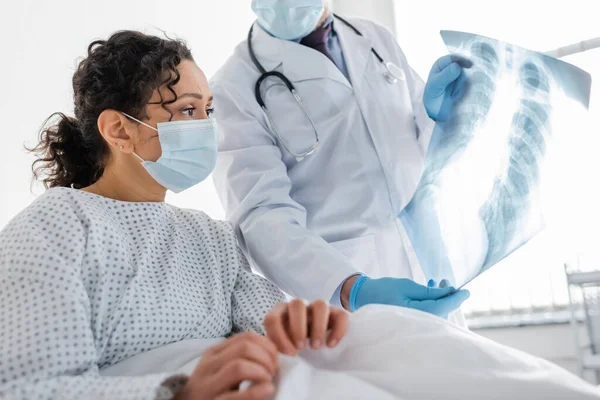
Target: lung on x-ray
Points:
(479, 197)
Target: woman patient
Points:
(99, 268)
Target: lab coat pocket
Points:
(394, 102)
(361, 251)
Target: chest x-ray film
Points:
(480, 196)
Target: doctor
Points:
(324, 127)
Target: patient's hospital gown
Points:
(86, 282)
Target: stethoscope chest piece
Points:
(394, 73)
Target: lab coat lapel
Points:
(391, 131)
(299, 62)
(357, 53)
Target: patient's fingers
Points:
(260, 340)
(244, 358)
(319, 321)
(297, 322)
(247, 350)
(275, 323)
(237, 371)
(338, 323)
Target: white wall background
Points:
(381, 11)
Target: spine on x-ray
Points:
(508, 203)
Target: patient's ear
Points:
(117, 130)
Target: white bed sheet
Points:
(396, 353)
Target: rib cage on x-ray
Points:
(511, 86)
(526, 142)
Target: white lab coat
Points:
(309, 225)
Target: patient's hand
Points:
(247, 357)
(288, 325)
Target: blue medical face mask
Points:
(288, 19)
(189, 153)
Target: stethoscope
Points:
(392, 74)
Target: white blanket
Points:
(395, 353)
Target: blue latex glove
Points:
(446, 85)
(406, 293)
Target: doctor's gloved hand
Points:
(440, 301)
(445, 86)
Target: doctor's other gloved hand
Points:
(445, 85)
(290, 325)
(440, 301)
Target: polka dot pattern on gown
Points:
(86, 282)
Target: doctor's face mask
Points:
(288, 19)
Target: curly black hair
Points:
(120, 73)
